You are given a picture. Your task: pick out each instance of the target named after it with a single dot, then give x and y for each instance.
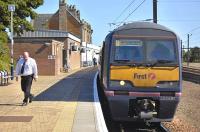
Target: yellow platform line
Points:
(66, 118)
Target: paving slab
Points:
(62, 103)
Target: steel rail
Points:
(191, 74)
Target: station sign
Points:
(51, 57)
(11, 8)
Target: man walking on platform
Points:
(26, 68)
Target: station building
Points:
(56, 41)
(90, 51)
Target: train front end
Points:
(144, 78)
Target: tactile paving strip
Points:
(16, 118)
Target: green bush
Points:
(195, 54)
(4, 52)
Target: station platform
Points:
(62, 103)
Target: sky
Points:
(181, 16)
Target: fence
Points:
(191, 56)
(4, 78)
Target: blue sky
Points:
(182, 16)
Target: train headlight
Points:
(120, 83)
(168, 84)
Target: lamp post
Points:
(155, 11)
(86, 55)
(11, 8)
(188, 49)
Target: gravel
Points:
(187, 118)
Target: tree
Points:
(184, 55)
(195, 54)
(23, 9)
(4, 52)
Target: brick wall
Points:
(73, 26)
(62, 17)
(63, 21)
(54, 22)
(57, 51)
(73, 57)
(40, 53)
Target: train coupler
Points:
(142, 109)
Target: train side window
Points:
(101, 54)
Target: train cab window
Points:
(129, 50)
(160, 50)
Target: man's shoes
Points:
(24, 103)
(24, 100)
(31, 98)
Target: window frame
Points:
(144, 61)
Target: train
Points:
(139, 72)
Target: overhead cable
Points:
(124, 10)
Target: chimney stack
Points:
(62, 15)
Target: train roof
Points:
(144, 25)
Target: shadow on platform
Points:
(75, 87)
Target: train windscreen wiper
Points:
(125, 62)
(159, 62)
(164, 61)
(122, 60)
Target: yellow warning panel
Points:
(143, 76)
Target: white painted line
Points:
(100, 121)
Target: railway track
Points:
(191, 74)
(142, 127)
(193, 70)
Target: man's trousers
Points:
(26, 82)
